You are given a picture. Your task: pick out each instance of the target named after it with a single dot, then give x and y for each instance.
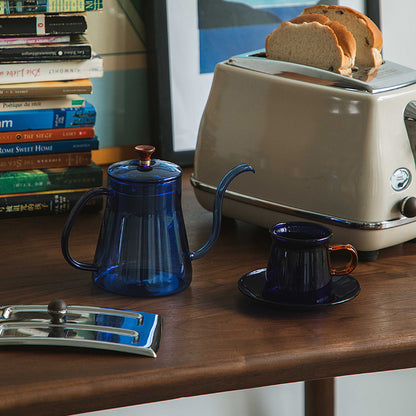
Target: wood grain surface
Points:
(214, 338)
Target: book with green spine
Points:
(37, 180)
(13, 7)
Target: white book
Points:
(70, 100)
(34, 40)
(18, 72)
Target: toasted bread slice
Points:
(313, 40)
(367, 35)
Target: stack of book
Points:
(46, 127)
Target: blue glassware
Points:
(142, 247)
(299, 269)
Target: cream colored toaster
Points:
(326, 148)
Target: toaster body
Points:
(332, 151)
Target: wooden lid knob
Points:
(145, 153)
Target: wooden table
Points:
(214, 339)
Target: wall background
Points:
(381, 394)
(121, 97)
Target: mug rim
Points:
(326, 232)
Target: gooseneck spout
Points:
(217, 211)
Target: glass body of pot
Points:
(142, 248)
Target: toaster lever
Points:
(408, 207)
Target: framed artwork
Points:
(187, 38)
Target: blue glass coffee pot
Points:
(142, 248)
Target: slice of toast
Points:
(367, 35)
(313, 40)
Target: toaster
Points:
(326, 148)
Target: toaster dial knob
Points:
(408, 207)
(400, 179)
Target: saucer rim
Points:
(298, 306)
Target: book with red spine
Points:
(44, 161)
(27, 136)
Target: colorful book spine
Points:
(45, 89)
(48, 6)
(27, 136)
(45, 161)
(45, 203)
(70, 100)
(38, 180)
(39, 24)
(34, 40)
(48, 118)
(11, 73)
(78, 48)
(58, 146)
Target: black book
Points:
(45, 203)
(77, 48)
(42, 24)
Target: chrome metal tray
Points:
(80, 326)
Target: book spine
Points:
(34, 40)
(44, 203)
(45, 161)
(45, 89)
(57, 102)
(48, 119)
(27, 136)
(42, 24)
(37, 180)
(29, 53)
(58, 146)
(48, 6)
(11, 73)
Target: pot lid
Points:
(144, 169)
(60, 324)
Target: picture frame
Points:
(176, 64)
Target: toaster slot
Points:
(389, 76)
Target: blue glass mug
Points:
(142, 248)
(299, 269)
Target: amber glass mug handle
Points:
(351, 265)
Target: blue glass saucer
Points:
(344, 288)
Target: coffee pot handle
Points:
(70, 222)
